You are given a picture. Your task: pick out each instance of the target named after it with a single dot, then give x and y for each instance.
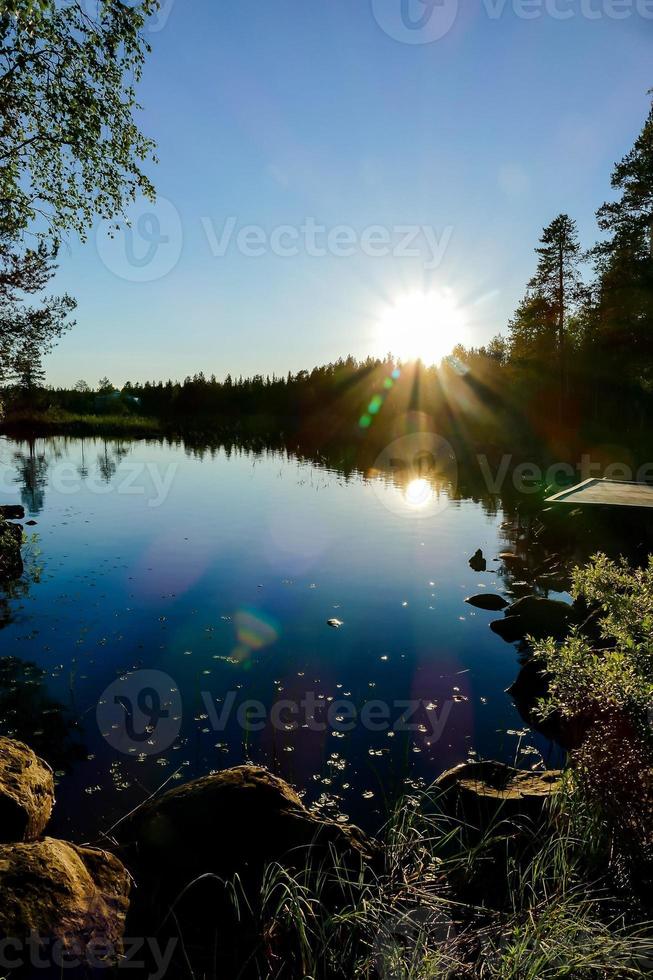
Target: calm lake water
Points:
(220, 570)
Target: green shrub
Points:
(607, 687)
(615, 677)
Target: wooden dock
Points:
(607, 493)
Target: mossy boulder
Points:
(195, 838)
(26, 792)
(77, 896)
(212, 843)
(479, 792)
(231, 822)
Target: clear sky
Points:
(300, 116)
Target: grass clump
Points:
(56, 421)
(539, 911)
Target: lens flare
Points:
(421, 325)
(254, 630)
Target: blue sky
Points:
(270, 114)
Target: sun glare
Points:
(424, 325)
(418, 493)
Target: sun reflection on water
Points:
(418, 493)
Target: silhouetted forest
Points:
(574, 366)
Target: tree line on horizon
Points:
(578, 352)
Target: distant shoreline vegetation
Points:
(573, 372)
(477, 399)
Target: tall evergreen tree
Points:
(26, 330)
(28, 370)
(623, 309)
(629, 220)
(541, 322)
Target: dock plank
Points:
(608, 493)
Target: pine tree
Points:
(623, 308)
(28, 370)
(629, 220)
(553, 296)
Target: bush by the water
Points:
(607, 685)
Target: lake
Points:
(167, 586)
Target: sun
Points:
(421, 325)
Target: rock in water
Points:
(26, 792)
(187, 847)
(531, 684)
(75, 895)
(534, 616)
(487, 600)
(231, 822)
(543, 617)
(477, 791)
(495, 803)
(509, 629)
(477, 562)
(12, 512)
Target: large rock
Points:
(534, 616)
(231, 822)
(497, 807)
(26, 792)
(77, 896)
(477, 562)
(187, 847)
(481, 791)
(511, 629)
(532, 684)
